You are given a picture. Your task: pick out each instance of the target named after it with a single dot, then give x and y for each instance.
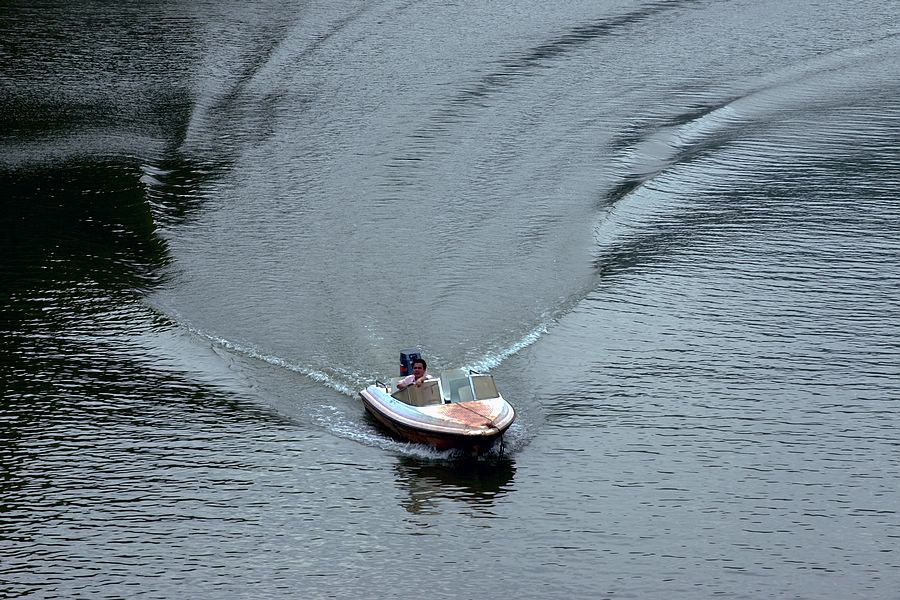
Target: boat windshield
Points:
(484, 386)
(454, 385)
(459, 386)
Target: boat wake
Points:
(349, 382)
(825, 82)
(337, 381)
(340, 418)
(494, 359)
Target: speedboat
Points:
(461, 409)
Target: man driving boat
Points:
(419, 375)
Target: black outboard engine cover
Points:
(406, 360)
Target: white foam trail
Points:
(251, 352)
(338, 424)
(333, 419)
(493, 359)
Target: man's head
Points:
(419, 366)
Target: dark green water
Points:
(667, 228)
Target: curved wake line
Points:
(494, 359)
(798, 87)
(536, 58)
(550, 317)
(532, 62)
(251, 352)
(345, 381)
(335, 422)
(485, 364)
(274, 52)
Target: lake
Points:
(668, 229)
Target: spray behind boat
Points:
(406, 359)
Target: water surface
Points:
(667, 228)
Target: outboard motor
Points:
(406, 360)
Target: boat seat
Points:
(452, 380)
(465, 393)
